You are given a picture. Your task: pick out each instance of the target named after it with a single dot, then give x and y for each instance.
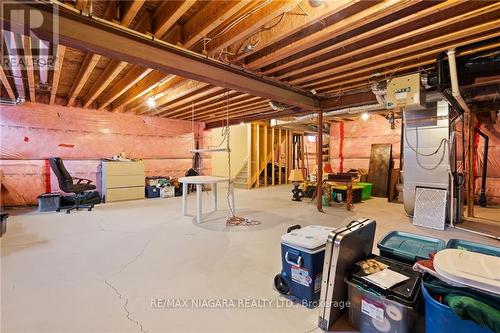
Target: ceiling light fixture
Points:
(365, 116)
(151, 102)
(248, 48)
(316, 3)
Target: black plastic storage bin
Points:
(178, 190)
(357, 192)
(152, 192)
(49, 202)
(374, 309)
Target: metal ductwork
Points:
(314, 116)
(380, 92)
(277, 106)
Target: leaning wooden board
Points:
(378, 172)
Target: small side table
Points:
(199, 181)
(348, 184)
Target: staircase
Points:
(264, 143)
(241, 179)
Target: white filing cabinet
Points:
(123, 181)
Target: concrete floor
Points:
(99, 271)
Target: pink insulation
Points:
(492, 130)
(31, 133)
(359, 135)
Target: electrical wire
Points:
(443, 144)
(264, 28)
(233, 24)
(192, 125)
(258, 31)
(241, 18)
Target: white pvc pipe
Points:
(455, 90)
(452, 199)
(44, 56)
(453, 72)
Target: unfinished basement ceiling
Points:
(331, 47)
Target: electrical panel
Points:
(405, 92)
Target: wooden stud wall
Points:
(267, 144)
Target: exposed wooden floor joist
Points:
(334, 48)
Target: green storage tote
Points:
(367, 190)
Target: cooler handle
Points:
(298, 263)
(292, 228)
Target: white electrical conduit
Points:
(455, 90)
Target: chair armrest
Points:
(79, 180)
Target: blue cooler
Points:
(302, 255)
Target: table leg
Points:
(214, 196)
(184, 198)
(199, 191)
(349, 197)
(232, 197)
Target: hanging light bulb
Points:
(365, 116)
(151, 102)
(316, 3)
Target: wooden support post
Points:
(249, 155)
(302, 155)
(287, 148)
(257, 145)
(290, 149)
(265, 155)
(470, 165)
(273, 146)
(279, 157)
(319, 162)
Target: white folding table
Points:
(199, 181)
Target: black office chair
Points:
(68, 185)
